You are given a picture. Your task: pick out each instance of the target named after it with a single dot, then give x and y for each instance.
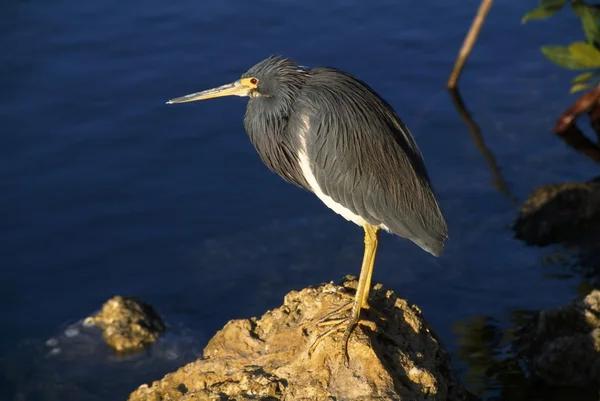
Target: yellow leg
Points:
(362, 291)
(364, 282)
(373, 242)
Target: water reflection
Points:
(486, 346)
(494, 373)
(565, 219)
(577, 231)
(581, 260)
(499, 181)
(76, 364)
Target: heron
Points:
(328, 132)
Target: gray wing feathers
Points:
(364, 158)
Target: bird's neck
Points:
(266, 123)
(266, 117)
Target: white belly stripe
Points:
(306, 168)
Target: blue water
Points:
(106, 190)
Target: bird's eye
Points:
(253, 81)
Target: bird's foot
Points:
(349, 323)
(330, 320)
(338, 324)
(327, 319)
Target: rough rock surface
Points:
(398, 358)
(562, 345)
(128, 324)
(559, 212)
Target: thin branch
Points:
(469, 42)
(581, 105)
(568, 131)
(594, 115)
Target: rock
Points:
(128, 324)
(559, 213)
(562, 346)
(267, 358)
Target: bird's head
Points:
(271, 78)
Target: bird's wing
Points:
(365, 159)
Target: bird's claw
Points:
(338, 324)
(350, 324)
(327, 319)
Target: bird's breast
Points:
(307, 168)
(276, 146)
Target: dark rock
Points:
(394, 355)
(559, 213)
(128, 324)
(562, 345)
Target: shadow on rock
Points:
(560, 213)
(562, 346)
(399, 358)
(567, 214)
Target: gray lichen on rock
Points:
(128, 324)
(394, 355)
(562, 345)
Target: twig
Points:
(469, 42)
(581, 105)
(568, 131)
(594, 115)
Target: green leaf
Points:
(544, 11)
(589, 22)
(578, 87)
(561, 56)
(578, 8)
(586, 54)
(582, 77)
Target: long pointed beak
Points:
(236, 88)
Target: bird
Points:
(328, 132)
